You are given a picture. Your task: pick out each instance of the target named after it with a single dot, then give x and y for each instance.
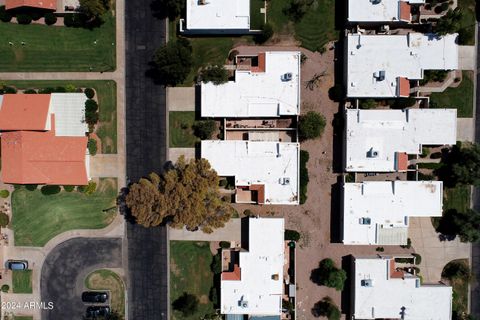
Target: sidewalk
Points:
(231, 232)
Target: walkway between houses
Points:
(231, 232)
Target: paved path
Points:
(466, 129)
(175, 153)
(181, 98)
(435, 253)
(65, 264)
(466, 57)
(231, 232)
(104, 166)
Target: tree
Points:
(327, 274)
(466, 225)
(297, 9)
(168, 8)
(457, 269)
(311, 125)
(215, 74)
(264, 35)
(4, 219)
(187, 304)
(50, 190)
(93, 8)
(173, 62)
(23, 18)
(292, 235)
(50, 18)
(89, 92)
(204, 129)
(92, 146)
(187, 193)
(5, 16)
(466, 170)
(449, 23)
(326, 308)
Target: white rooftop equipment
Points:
(382, 291)
(218, 16)
(378, 212)
(271, 89)
(257, 286)
(268, 168)
(381, 140)
(371, 11)
(382, 65)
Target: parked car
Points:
(97, 311)
(17, 264)
(95, 296)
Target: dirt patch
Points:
(204, 299)
(174, 268)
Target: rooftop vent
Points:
(372, 153)
(380, 75)
(367, 283)
(285, 181)
(375, 1)
(286, 77)
(365, 221)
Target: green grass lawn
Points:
(37, 218)
(460, 292)
(460, 97)
(469, 20)
(314, 30)
(190, 272)
(107, 98)
(457, 198)
(50, 48)
(257, 19)
(181, 132)
(108, 280)
(22, 281)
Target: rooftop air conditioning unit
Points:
(244, 304)
(372, 153)
(365, 221)
(285, 181)
(367, 283)
(286, 77)
(375, 1)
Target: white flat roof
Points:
(218, 14)
(399, 56)
(257, 94)
(69, 111)
(388, 296)
(388, 205)
(376, 11)
(266, 163)
(258, 265)
(389, 131)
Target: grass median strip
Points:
(22, 281)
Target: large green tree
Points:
(465, 225)
(187, 194)
(173, 62)
(326, 308)
(461, 165)
(94, 8)
(327, 274)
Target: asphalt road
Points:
(146, 152)
(63, 271)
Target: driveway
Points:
(61, 272)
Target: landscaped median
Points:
(106, 94)
(38, 217)
(22, 281)
(110, 281)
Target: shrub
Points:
(60, 89)
(350, 177)
(23, 18)
(92, 146)
(311, 125)
(380, 249)
(304, 156)
(31, 187)
(7, 89)
(429, 165)
(327, 274)
(336, 93)
(265, 35)
(5, 288)
(4, 193)
(436, 155)
(408, 245)
(5, 16)
(50, 190)
(4, 219)
(50, 19)
(367, 104)
(204, 128)
(216, 264)
(91, 118)
(216, 74)
(89, 92)
(418, 258)
(223, 183)
(326, 308)
(70, 88)
(68, 188)
(292, 235)
(36, 15)
(74, 20)
(187, 304)
(46, 90)
(89, 188)
(30, 91)
(457, 269)
(224, 244)
(248, 213)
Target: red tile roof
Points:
(404, 87)
(235, 275)
(394, 273)
(402, 161)
(260, 188)
(24, 111)
(405, 11)
(261, 63)
(42, 158)
(41, 4)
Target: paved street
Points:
(64, 269)
(146, 152)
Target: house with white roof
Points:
(252, 278)
(265, 172)
(378, 212)
(264, 85)
(383, 290)
(216, 17)
(381, 140)
(381, 11)
(381, 66)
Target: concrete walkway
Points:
(181, 99)
(104, 166)
(231, 232)
(465, 129)
(466, 57)
(175, 153)
(435, 253)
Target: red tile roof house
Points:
(50, 5)
(43, 139)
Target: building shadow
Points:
(338, 124)
(347, 297)
(336, 213)
(198, 101)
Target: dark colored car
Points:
(97, 311)
(17, 264)
(95, 296)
